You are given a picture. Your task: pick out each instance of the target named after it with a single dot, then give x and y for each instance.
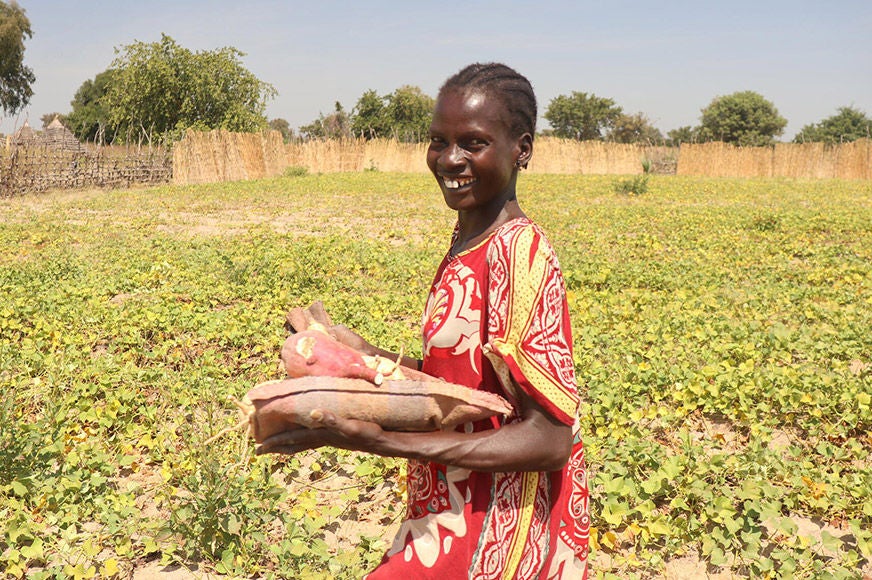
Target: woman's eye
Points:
(475, 145)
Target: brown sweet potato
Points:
(403, 405)
(299, 319)
(296, 320)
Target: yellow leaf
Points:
(817, 489)
(594, 539)
(110, 567)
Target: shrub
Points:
(633, 186)
(295, 171)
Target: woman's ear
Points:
(525, 150)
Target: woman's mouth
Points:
(457, 182)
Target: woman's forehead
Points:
(475, 103)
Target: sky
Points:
(666, 59)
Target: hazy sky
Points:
(666, 59)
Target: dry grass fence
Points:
(797, 160)
(221, 156)
(203, 157)
(553, 155)
(39, 167)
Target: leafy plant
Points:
(295, 171)
(637, 185)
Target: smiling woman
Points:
(498, 497)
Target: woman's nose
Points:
(452, 156)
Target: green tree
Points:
(336, 125)
(283, 127)
(368, 116)
(408, 112)
(89, 119)
(15, 78)
(581, 116)
(849, 124)
(635, 129)
(404, 115)
(744, 118)
(685, 134)
(160, 89)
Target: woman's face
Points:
(471, 153)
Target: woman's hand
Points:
(331, 431)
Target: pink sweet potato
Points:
(315, 353)
(397, 405)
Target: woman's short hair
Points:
(506, 84)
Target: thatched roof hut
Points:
(57, 136)
(25, 135)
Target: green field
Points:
(722, 342)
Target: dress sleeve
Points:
(529, 335)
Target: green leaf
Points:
(18, 488)
(659, 526)
(613, 512)
(717, 556)
(231, 524)
(830, 542)
(787, 526)
(33, 551)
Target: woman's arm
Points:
(536, 443)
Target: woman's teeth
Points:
(456, 183)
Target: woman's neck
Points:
(473, 227)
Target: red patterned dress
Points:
(494, 311)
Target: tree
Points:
(743, 118)
(404, 115)
(581, 116)
(408, 112)
(368, 116)
(849, 124)
(160, 89)
(336, 125)
(635, 129)
(686, 134)
(89, 119)
(15, 78)
(283, 127)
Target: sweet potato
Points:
(403, 405)
(298, 319)
(313, 352)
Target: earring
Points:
(518, 163)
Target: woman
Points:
(494, 499)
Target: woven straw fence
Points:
(205, 157)
(797, 160)
(553, 155)
(222, 156)
(332, 156)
